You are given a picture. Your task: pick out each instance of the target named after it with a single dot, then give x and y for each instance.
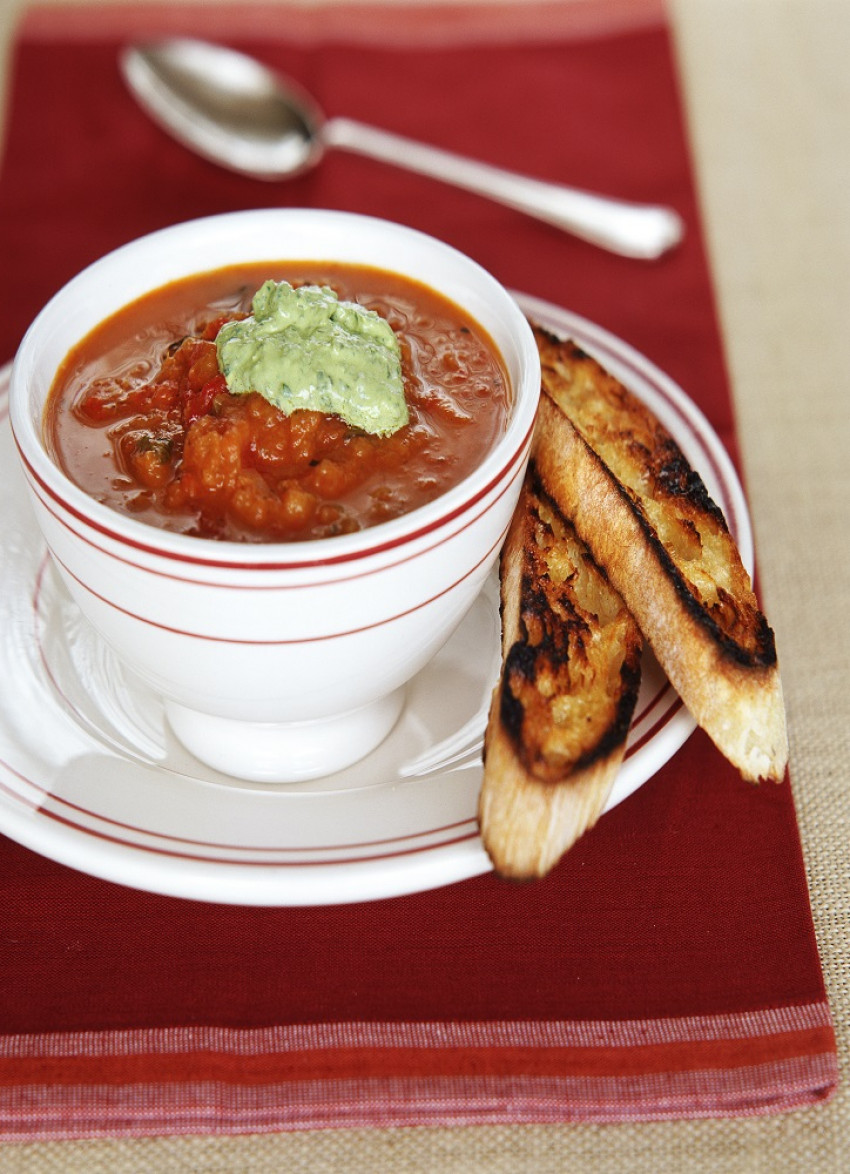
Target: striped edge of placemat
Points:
(222, 1080)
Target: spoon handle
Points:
(633, 230)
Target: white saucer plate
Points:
(91, 776)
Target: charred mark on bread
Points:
(554, 655)
(735, 623)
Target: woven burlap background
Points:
(767, 89)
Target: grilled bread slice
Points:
(561, 711)
(649, 521)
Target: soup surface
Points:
(140, 416)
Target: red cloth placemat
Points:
(668, 966)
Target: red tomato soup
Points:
(140, 417)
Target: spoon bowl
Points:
(227, 107)
(234, 111)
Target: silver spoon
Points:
(233, 110)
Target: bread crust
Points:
(649, 521)
(562, 709)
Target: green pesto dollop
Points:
(304, 348)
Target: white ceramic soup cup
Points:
(278, 661)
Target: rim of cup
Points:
(152, 261)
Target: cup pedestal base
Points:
(285, 752)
